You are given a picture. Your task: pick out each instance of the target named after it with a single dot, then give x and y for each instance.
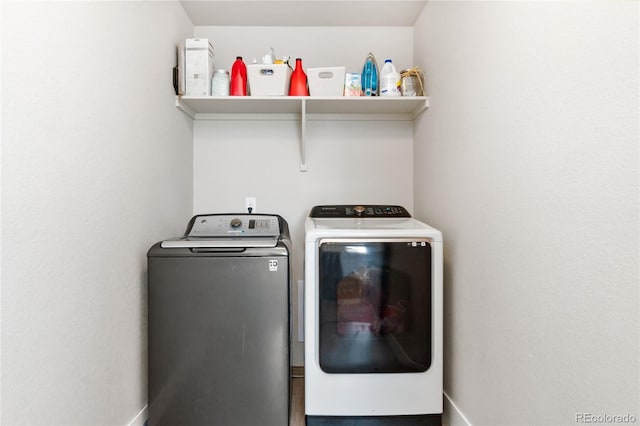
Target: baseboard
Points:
(452, 415)
(141, 418)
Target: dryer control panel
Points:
(359, 210)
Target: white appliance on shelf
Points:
(373, 317)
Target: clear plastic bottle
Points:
(220, 83)
(370, 76)
(389, 80)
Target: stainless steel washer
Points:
(219, 309)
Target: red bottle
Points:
(238, 78)
(298, 84)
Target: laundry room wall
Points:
(348, 161)
(527, 160)
(96, 166)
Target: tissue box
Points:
(326, 81)
(198, 59)
(268, 79)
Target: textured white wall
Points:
(527, 160)
(96, 166)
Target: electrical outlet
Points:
(250, 203)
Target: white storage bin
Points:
(268, 79)
(198, 66)
(326, 81)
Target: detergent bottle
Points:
(370, 76)
(298, 84)
(389, 80)
(238, 78)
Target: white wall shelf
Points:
(302, 108)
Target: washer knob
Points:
(235, 222)
(359, 210)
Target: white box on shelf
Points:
(268, 79)
(199, 66)
(326, 81)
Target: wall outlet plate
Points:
(250, 204)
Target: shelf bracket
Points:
(303, 142)
(186, 109)
(421, 109)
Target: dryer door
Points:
(375, 305)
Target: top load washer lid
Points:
(356, 211)
(229, 231)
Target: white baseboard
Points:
(452, 415)
(140, 418)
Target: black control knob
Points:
(235, 222)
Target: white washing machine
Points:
(373, 317)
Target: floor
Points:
(296, 415)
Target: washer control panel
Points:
(243, 225)
(358, 210)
